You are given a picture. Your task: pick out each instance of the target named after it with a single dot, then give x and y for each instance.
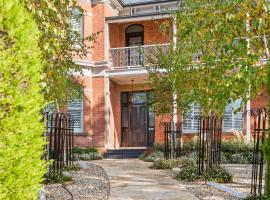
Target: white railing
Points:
(133, 57)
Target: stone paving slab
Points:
(132, 179)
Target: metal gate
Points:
(259, 116)
(209, 142)
(60, 136)
(172, 140)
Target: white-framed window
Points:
(75, 109)
(76, 21)
(233, 121)
(191, 124)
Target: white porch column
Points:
(107, 111)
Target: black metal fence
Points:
(260, 124)
(60, 136)
(172, 140)
(209, 142)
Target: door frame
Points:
(128, 106)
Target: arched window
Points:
(134, 35)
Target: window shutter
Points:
(238, 117)
(76, 21)
(189, 123)
(232, 120)
(75, 109)
(228, 118)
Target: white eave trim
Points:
(138, 18)
(126, 72)
(89, 63)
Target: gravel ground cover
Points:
(87, 184)
(203, 191)
(242, 174)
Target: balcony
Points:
(133, 57)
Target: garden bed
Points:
(87, 184)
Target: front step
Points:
(123, 153)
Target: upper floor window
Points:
(232, 120)
(76, 21)
(134, 35)
(75, 109)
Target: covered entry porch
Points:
(130, 122)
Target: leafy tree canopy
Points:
(218, 54)
(59, 44)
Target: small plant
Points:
(256, 197)
(165, 164)
(158, 147)
(87, 156)
(56, 178)
(189, 171)
(79, 150)
(218, 174)
(73, 167)
(154, 156)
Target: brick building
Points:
(106, 117)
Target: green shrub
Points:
(218, 174)
(79, 150)
(73, 167)
(236, 145)
(56, 178)
(154, 156)
(21, 130)
(254, 197)
(190, 146)
(158, 147)
(87, 156)
(237, 158)
(165, 164)
(189, 171)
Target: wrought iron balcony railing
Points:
(133, 57)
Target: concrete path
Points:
(131, 179)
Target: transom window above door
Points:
(134, 35)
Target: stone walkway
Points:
(131, 179)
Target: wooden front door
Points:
(138, 126)
(136, 120)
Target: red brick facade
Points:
(102, 101)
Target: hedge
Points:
(21, 141)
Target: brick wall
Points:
(153, 34)
(98, 112)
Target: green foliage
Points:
(165, 164)
(89, 153)
(21, 129)
(212, 61)
(189, 171)
(158, 147)
(79, 150)
(237, 145)
(73, 167)
(56, 178)
(87, 156)
(254, 197)
(190, 146)
(218, 174)
(154, 156)
(59, 45)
